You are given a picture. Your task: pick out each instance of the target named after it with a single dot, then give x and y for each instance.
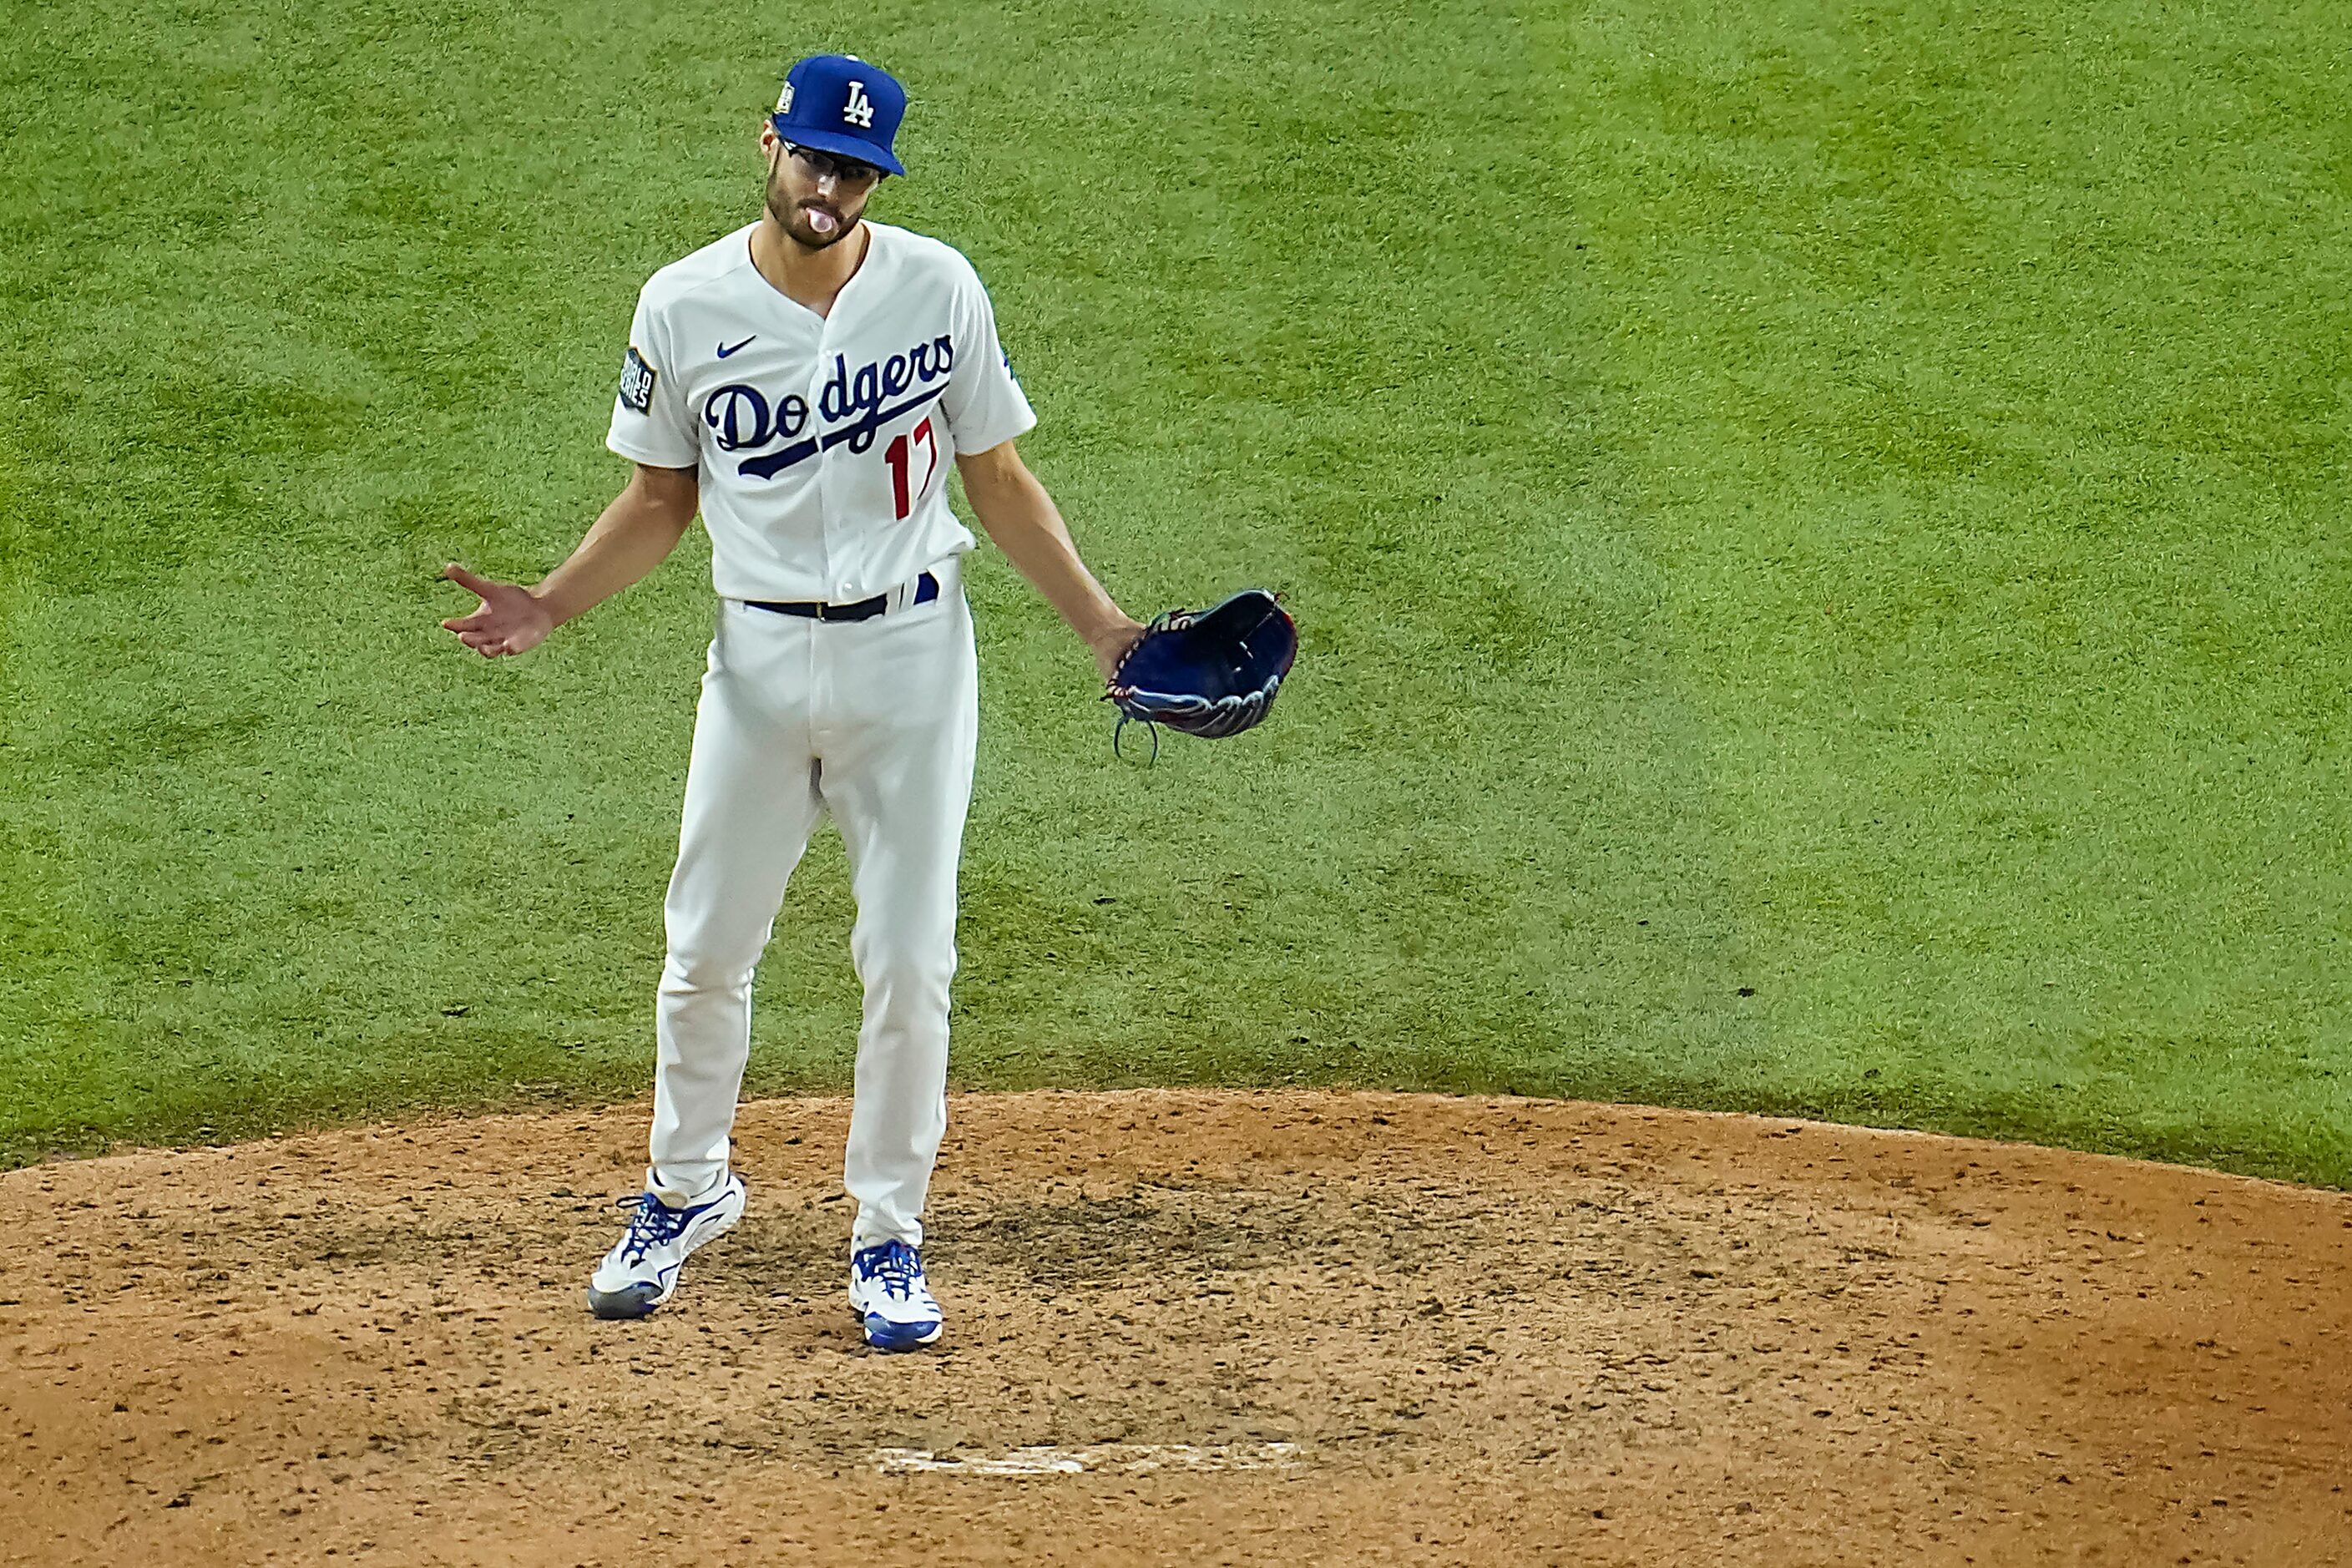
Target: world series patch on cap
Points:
(842, 105)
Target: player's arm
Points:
(632, 536)
(1015, 511)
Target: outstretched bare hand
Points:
(508, 621)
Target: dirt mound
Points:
(1186, 1328)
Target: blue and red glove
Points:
(1208, 672)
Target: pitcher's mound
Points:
(1186, 1328)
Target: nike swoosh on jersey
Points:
(724, 349)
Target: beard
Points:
(792, 214)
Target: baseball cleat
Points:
(888, 1293)
(641, 1271)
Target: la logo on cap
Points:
(843, 106)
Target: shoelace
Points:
(1120, 729)
(1166, 621)
(651, 1225)
(893, 1263)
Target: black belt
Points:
(927, 588)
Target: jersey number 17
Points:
(900, 455)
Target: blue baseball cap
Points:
(839, 104)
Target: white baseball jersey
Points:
(822, 442)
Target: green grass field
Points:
(1819, 533)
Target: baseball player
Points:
(805, 382)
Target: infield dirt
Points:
(1425, 1330)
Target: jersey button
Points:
(843, 591)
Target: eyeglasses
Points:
(848, 173)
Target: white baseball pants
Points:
(876, 721)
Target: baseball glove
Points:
(1207, 672)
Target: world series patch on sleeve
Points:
(637, 381)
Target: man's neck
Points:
(811, 278)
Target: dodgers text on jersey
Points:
(853, 404)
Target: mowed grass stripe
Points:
(1550, 384)
(1982, 376)
(1261, 354)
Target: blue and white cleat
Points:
(641, 1271)
(888, 1293)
